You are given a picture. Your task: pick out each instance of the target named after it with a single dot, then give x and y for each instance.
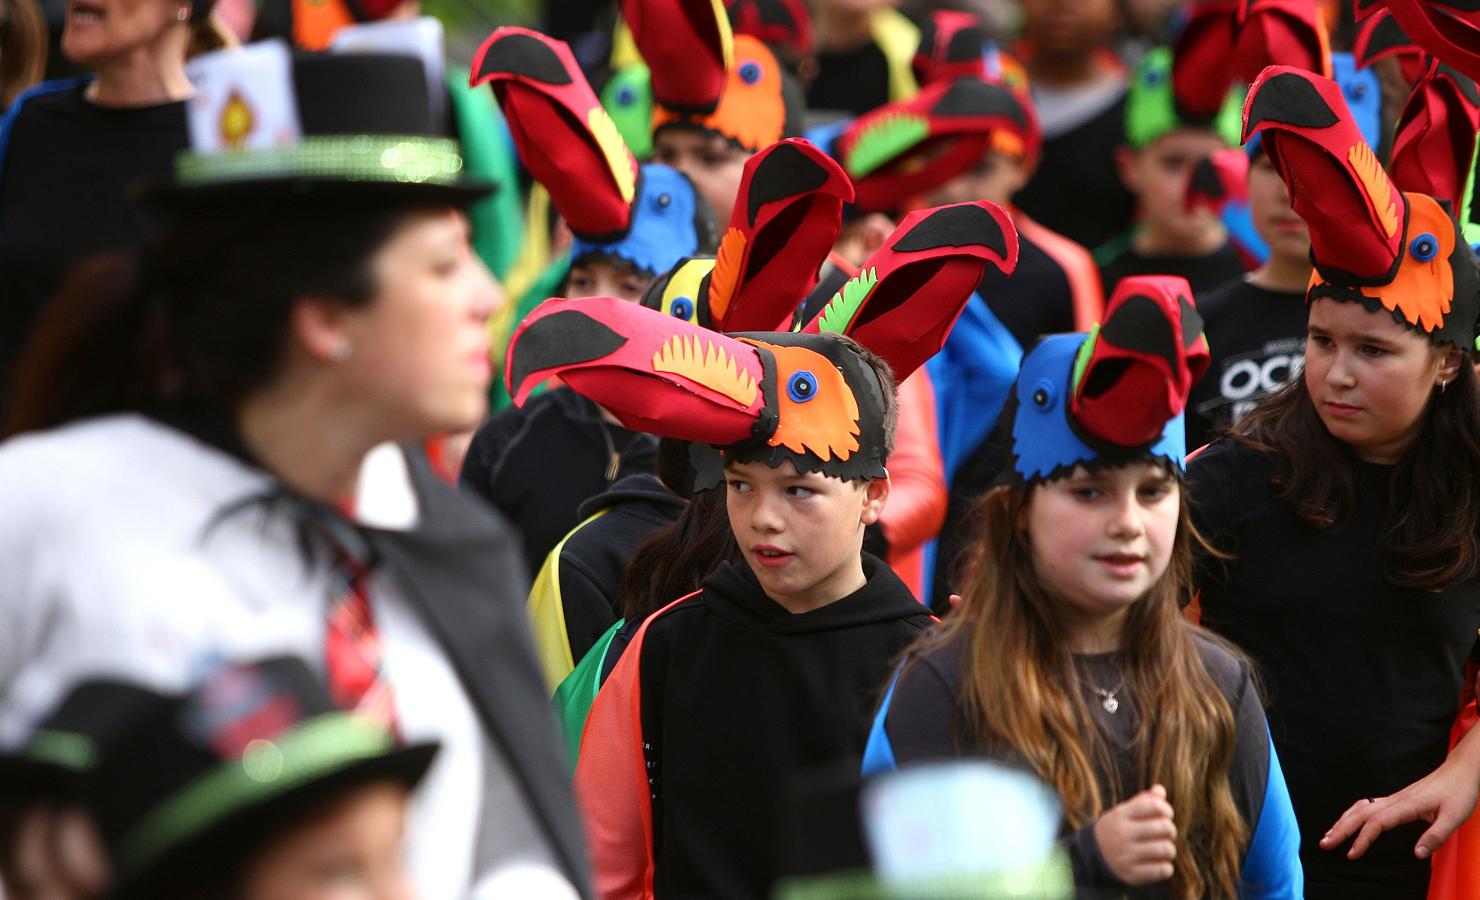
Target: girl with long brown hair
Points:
(1068, 654)
(1349, 506)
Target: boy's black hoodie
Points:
(737, 694)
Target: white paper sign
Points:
(421, 38)
(244, 99)
(957, 818)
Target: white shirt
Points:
(113, 563)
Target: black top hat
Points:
(368, 134)
(175, 781)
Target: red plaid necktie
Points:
(353, 653)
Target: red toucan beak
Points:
(1379, 36)
(564, 136)
(905, 299)
(1217, 180)
(1434, 142)
(653, 372)
(786, 219)
(1355, 213)
(1202, 60)
(904, 149)
(1280, 32)
(687, 45)
(1137, 371)
(1449, 29)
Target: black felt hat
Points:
(175, 781)
(368, 134)
(54, 764)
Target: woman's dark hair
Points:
(1433, 510)
(673, 560)
(200, 318)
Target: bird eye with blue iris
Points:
(682, 308)
(801, 386)
(1424, 247)
(1043, 396)
(750, 72)
(626, 96)
(663, 200)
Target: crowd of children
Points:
(1084, 387)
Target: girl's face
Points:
(99, 32)
(1100, 540)
(1371, 378)
(420, 347)
(352, 851)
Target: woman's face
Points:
(1100, 540)
(1369, 377)
(99, 32)
(419, 349)
(352, 851)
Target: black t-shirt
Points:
(1076, 189)
(1203, 272)
(68, 166)
(1363, 679)
(856, 80)
(1257, 338)
(539, 463)
(1036, 299)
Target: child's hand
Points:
(1138, 838)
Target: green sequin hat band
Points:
(358, 158)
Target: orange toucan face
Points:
(1371, 243)
(752, 109)
(1422, 291)
(817, 412)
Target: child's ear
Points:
(1449, 367)
(1125, 164)
(875, 496)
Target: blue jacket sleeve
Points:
(1271, 868)
(972, 375)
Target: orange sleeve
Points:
(1079, 267)
(917, 484)
(611, 780)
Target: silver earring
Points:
(341, 351)
(182, 14)
(1442, 386)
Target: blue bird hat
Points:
(1114, 395)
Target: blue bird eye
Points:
(682, 308)
(1359, 90)
(1153, 78)
(626, 96)
(750, 72)
(1424, 247)
(801, 386)
(1043, 395)
(663, 200)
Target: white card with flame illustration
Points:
(244, 99)
(421, 38)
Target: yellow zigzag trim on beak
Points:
(1375, 182)
(618, 158)
(708, 365)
